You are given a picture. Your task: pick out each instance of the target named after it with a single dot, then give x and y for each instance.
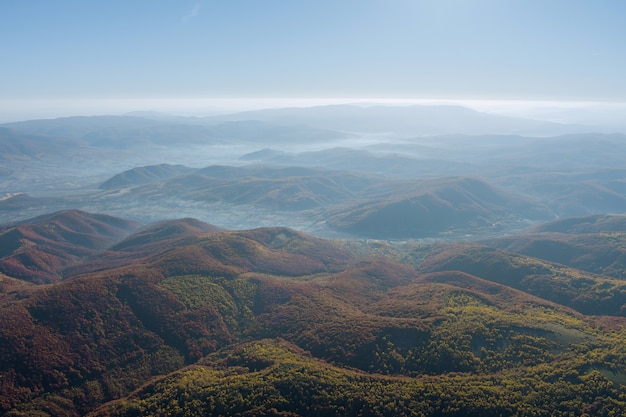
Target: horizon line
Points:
(13, 110)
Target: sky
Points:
(55, 53)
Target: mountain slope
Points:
(387, 163)
(266, 187)
(602, 223)
(584, 291)
(144, 175)
(593, 243)
(38, 251)
(138, 318)
(23, 146)
(275, 378)
(432, 207)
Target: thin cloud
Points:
(193, 13)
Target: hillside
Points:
(20, 146)
(594, 243)
(39, 250)
(574, 198)
(144, 175)
(603, 223)
(276, 378)
(169, 317)
(584, 291)
(427, 208)
(425, 163)
(352, 203)
(263, 187)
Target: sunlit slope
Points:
(584, 291)
(276, 378)
(39, 250)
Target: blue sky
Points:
(485, 49)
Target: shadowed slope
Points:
(144, 175)
(593, 243)
(588, 224)
(432, 207)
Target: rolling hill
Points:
(39, 250)
(276, 378)
(395, 165)
(181, 318)
(586, 292)
(352, 203)
(268, 187)
(427, 208)
(599, 223)
(18, 146)
(592, 243)
(144, 175)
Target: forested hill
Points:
(181, 318)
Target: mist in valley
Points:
(360, 160)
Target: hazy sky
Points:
(489, 49)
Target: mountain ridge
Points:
(417, 119)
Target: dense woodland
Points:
(103, 317)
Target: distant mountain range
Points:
(126, 132)
(422, 120)
(323, 123)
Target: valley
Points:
(122, 166)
